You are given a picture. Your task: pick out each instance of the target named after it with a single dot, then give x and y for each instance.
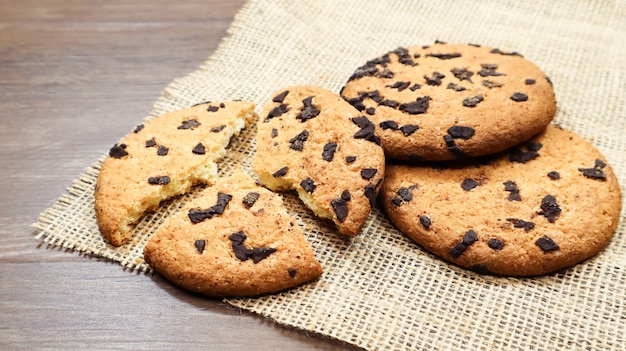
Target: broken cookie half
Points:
(235, 239)
(162, 158)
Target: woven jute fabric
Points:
(380, 291)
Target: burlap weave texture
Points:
(379, 290)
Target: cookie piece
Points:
(163, 158)
(451, 101)
(311, 140)
(235, 239)
(517, 217)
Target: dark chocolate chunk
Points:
(489, 70)
(276, 112)
(151, 143)
(308, 110)
(212, 108)
(425, 221)
(445, 56)
(469, 184)
(495, 244)
(519, 97)
(457, 250)
(434, 79)
(257, 254)
(201, 103)
(222, 105)
(371, 194)
(599, 164)
(162, 150)
(281, 172)
(529, 81)
(280, 97)
(368, 173)
(491, 84)
(329, 151)
(518, 223)
(198, 215)
(250, 199)
(500, 52)
(367, 130)
(189, 124)
(396, 201)
(406, 194)
(514, 194)
(389, 103)
(596, 172)
(261, 253)
(414, 87)
(200, 244)
(404, 57)
(308, 185)
(550, 208)
(218, 128)
(350, 159)
(199, 149)
(370, 110)
(454, 149)
(462, 74)
(292, 272)
(409, 129)
(455, 87)
(138, 128)
(417, 107)
(341, 208)
(461, 132)
(345, 196)
(554, 175)
(162, 180)
(469, 238)
(534, 146)
(473, 101)
(118, 151)
(547, 244)
(374, 95)
(520, 156)
(357, 103)
(384, 125)
(385, 73)
(297, 142)
(274, 133)
(399, 85)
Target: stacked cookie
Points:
(457, 139)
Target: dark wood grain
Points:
(75, 76)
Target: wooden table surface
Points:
(75, 76)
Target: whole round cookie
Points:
(310, 140)
(535, 209)
(451, 101)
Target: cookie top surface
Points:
(162, 158)
(535, 209)
(450, 101)
(311, 140)
(235, 239)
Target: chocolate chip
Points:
(434, 79)
(308, 185)
(389, 103)
(469, 184)
(461, 132)
(454, 149)
(550, 208)
(249, 200)
(274, 133)
(462, 74)
(350, 159)
(489, 70)
(162, 151)
(520, 156)
(212, 108)
(455, 87)
(414, 87)
(222, 105)
(199, 149)
(445, 56)
(118, 151)
(389, 125)
(329, 151)
(518, 223)
(345, 196)
(308, 110)
(162, 180)
(417, 107)
(198, 215)
(138, 128)
(500, 52)
(519, 97)
(151, 143)
(280, 97)
(368, 173)
(554, 175)
(341, 209)
(371, 194)
(495, 244)
(280, 173)
(276, 112)
(243, 253)
(218, 128)
(261, 253)
(547, 244)
(534, 146)
(370, 110)
(292, 272)
(406, 194)
(189, 124)
(469, 238)
(200, 244)
(367, 130)
(529, 81)
(511, 187)
(491, 84)
(473, 101)
(399, 85)
(357, 103)
(409, 129)
(374, 95)
(297, 142)
(596, 172)
(425, 221)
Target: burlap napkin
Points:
(379, 290)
